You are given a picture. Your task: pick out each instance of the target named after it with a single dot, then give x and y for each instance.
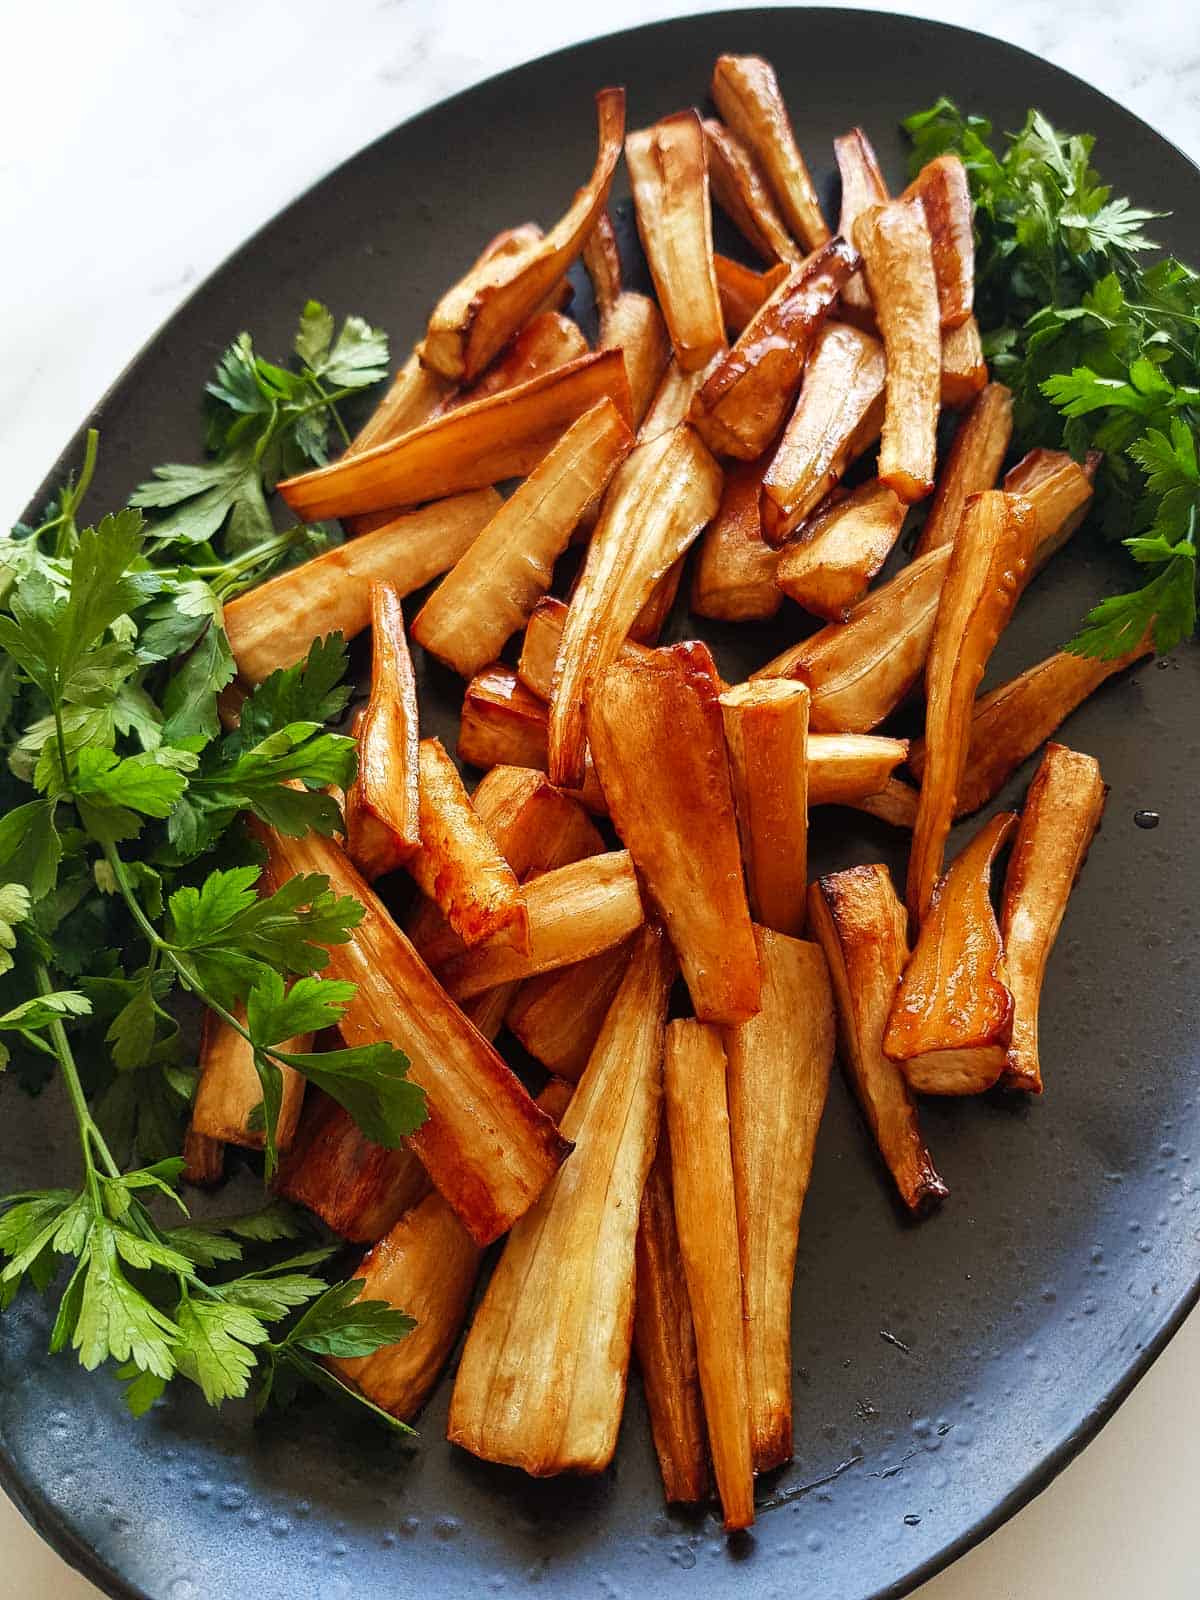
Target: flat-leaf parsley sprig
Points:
(1101, 352)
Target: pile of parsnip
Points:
(638, 817)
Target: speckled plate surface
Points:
(943, 1372)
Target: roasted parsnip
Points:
(837, 417)
(547, 340)
(480, 314)
(574, 912)
(859, 923)
(651, 619)
(504, 724)
(426, 1266)
(829, 567)
(858, 671)
(895, 803)
(952, 1016)
(898, 260)
(1060, 491)
(748, 98)
(229, 1091)
(863, 186)
(668, 173)
(664, 1340)
(659, 500)
(357, 1188)
(1061, 815)
(485, 1144)
(654, 724)
(844, 768)
(416, 392)
(489, 593)
(743, 290)
(629, 322)
(383, 823)
(273, 625)
(558, 1016)
(973, 464)
(988, 567)
(458, 865)
(944, 194)
(745, 399)
(734, 575)
(672, 398)
(779, 1065)
(1011, 721)
(203, 1159)
(601, 257)
(695, 1071)
(964, 371)
(766, 735)
(502, 436)
(541, 1384)
(741, 191)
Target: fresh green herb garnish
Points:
(1100, 351)
(122, 884)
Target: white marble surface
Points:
(141, 140)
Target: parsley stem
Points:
(90, 1138)
(328, 400)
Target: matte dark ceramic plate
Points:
(943, 1372)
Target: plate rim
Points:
(30, 1499)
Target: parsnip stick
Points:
(706, 1219)
(748, 97)
(743, 290)
(766, 733)
(558, 1016)
(741, 191)
(779, 1064)
(504, 724)
(963, 370)
(942, 189)
(734, 575)
(973, 464)
(357, 1188)
(383, 823)
(863, 186)
(229, 1091)
(829, 567)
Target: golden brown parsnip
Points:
(558, 1016)
(504, 724)
(203, 1159)
(602, 262)
(652, 618)
(574, 912)
(972, 465)
(828, 568)
(485, 1144)
(844, 768)
(668, 173)
(547, 341)
(863, 186)
(661, 497)
(779, 1065)
(952, 1016)
(274, 624)
(1060, 491)
(734, 575)
(944, 194)
(357, 1188)
(416, 392)
(458, 865)
(383, 824)
(654, 724)
(488, 595)
(766, 735)
(664, 1340)
(675, 392)
(635, 327)
(1011, 721)
(964, 371)
(741, 191)
(1062, 812)
(858, 920)
(748, 98)
(697, 1107)
(426, 1266)
(745, 399)
(541, 1383)
(988, 567)
(895, 803)
(837, 418)
(898, 261)
(743, 290)
(229, 1091)
(501, 436)
(480, 314)
(858, 671)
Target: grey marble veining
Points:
(141, 143)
